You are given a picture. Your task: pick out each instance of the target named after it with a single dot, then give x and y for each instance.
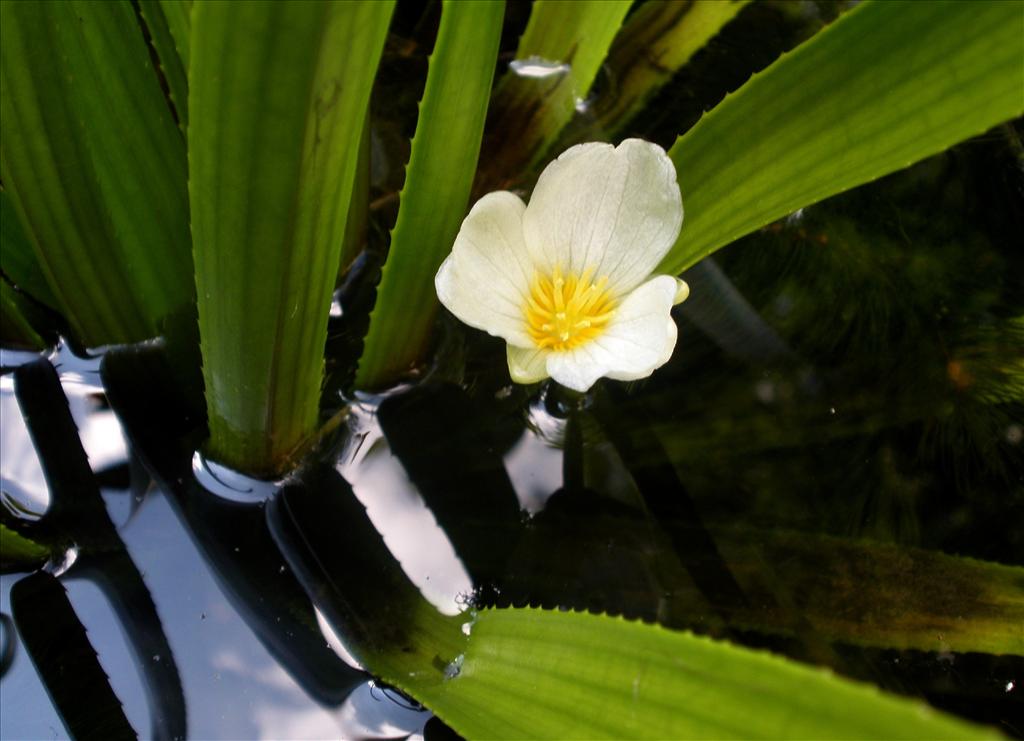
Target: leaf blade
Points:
(594, 676)
(157, 15)
(655, 42)
(884, 86)
(95, 167)
(437, 187)
(529, 109)
(271, 181)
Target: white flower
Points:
(567, 281)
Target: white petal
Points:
(485, 279)
(639, 339)
(527, 365)
(614, 209)
(672, 333)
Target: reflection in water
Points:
(21, 476)
(400, 515)
(534, 463)
(23, 484)
(228, 484)
(335, 642)
(233, 687)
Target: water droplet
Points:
(455, 667)
(156, 658)
(538, 68)
(228, 484)
(59, 565)
(1009, 686)
(831, 410)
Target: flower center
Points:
(564, 312)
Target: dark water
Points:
(827, 468)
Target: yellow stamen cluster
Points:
(563, 312)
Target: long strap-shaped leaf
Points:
(885, 86)
(277, 97)
(16, 328)
(158, 15)
(592, 676)
(93, 162)
(658, 39)
(17, 258)
(179, 20)
(558, 58)
(438, 181)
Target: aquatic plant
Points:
(199, 172)
(566, 281)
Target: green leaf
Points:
(94, 165)
(178, 14)
(886, 85)
(277, 97)
(173, 64)
(656, 41)
(438, 181)
(529, 110)
(593, 676)
(17, 258)
(18, 553)
(16, 329)
(359, 205)
(875, 594)
(578, 675)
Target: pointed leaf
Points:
(438, 181)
